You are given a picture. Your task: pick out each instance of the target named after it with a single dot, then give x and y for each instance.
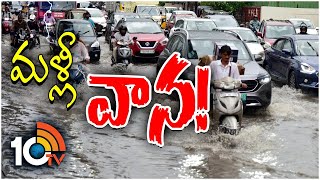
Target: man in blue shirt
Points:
(86, 16)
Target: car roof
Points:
(125, 13)
(74, 20)
(298, 19)
(219, 15)
(195, 19)
(94, 9)
(211, 35)
(302, 36)
(234, 28)
(182, 12)
(278, 22)
(77, 9)
(138, 20)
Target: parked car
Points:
(114, 19)
(294, 60)
(297, 23)
(223, 20)
(176, 15)
(194, 44)
(150, 10)
(193, 24)
(98, 18)
(149, 39)
(75, 14)
(86, 32)
(251, 40)
(270, 30)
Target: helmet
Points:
(303, 28)
(32, 17)
(123, 27)
(49, 12)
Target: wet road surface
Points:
(278, 142)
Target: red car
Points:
(270, 30)
(149, 40)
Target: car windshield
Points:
(117, 17)
(95, 13)
(170, 10)
(150, 10)
(297, 23)
(200, 25)
(205, 47)
(143, 27)
(275, 32)
(77, 15)
(246, 35)
(84, 29)
(224, 21)
(308, 47)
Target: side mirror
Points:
(134, 38)
(287, 52)
(258, 57)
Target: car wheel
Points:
(292, 80)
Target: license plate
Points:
(229, 95)
(147, 51)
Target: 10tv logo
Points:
(41, 149)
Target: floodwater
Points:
(278, 142)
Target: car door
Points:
(274, 58)
(285, 60)
(167, 51)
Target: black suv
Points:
(194, 44)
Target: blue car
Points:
(294, 60)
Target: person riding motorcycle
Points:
(303, 28)
(122, 35)
(79, 54)
(18, 24)
(6, 13)
(49, 18)
(33, 25)
(223, 68)
(254, 24)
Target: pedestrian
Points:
(303, 28)
(254, 24)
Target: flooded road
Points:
(278, 142)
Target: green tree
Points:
(226, 6)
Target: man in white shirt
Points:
(223, 68)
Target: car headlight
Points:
(265, 79)
(307, 69)
(95, 44)
(164, 42)
(266, 45)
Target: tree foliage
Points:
(232, 7)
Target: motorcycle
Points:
(6, 25)
(46, 28)
(227, 105)
(124, 55)
(20, 37)
(33, 39)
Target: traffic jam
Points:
(264, 80)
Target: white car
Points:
(251, 40)
(297, 22)
(98, 18)
(198, 24)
